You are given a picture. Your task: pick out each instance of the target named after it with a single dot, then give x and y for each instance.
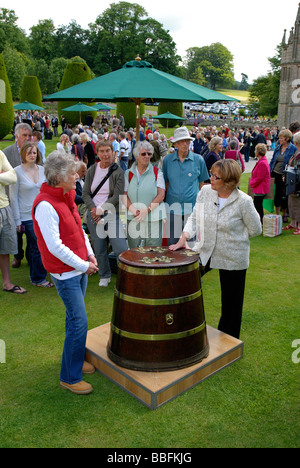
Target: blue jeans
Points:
(123, 163)
(37, 271)
(72, 292)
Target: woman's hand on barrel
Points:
(181, 244)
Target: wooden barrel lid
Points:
(158, 257)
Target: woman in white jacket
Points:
(226, 219)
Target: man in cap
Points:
(185, 172)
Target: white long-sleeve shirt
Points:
(48, 221)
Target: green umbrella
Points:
(138, 81)
(27, 106)
(168, 116)
(103, 107)
(79, 107)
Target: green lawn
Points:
(242, 96)
(252, 403)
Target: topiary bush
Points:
(127, 109)
(6, 102)
(175, 108)
(31, 91)
(75, 73)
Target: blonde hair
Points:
(287, 134)
(213, 143)
(261, 149)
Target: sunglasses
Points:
(213, 176)
(146, 154)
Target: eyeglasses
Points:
(146, 154)
(213, 176)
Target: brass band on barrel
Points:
(159, 272)
(158, 302)
(162, 337)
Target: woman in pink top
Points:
(260, 178)
(233, 153)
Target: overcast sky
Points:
(250, 30)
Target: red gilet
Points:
(70, 227)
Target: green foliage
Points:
(215, 63)
(31, 91)
(264, 93)
(175, 108)
(75, 73)
(15, 63)
(128, 111)
(6, 102)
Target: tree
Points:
(42, 40)
(124, 30)
(264, 93)
(15, 63)
(11, 34)
(216, 63)
(6, 102)
(128, 110)
(244, 85)
(75, 73)
(31, 91)
(175, 108)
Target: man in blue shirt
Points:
(184, 173)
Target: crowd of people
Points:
(166, 190)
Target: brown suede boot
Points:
(88, 368)
(80, 388)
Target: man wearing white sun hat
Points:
(184, 172)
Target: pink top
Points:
(103, 193)
(232, 154)
(261, 177)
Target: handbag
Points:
(238, 159)
(112, 168)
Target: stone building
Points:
(289, 97)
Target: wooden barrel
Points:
(158, 320)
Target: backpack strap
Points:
(155, 172)
(130, 174)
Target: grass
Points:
(242, 96)
(253, 403)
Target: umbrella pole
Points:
(137, 118)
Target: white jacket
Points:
(224, 233)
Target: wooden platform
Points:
(154, 389)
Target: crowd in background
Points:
(210, 144)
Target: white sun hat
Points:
(182, 133)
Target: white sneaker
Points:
(104, 282)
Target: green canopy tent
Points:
(27, 106)
(168, 116)
(79, 107)
(138, 81)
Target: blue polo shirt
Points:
(183, 179)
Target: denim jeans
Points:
(37, 271)
(72, 292)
